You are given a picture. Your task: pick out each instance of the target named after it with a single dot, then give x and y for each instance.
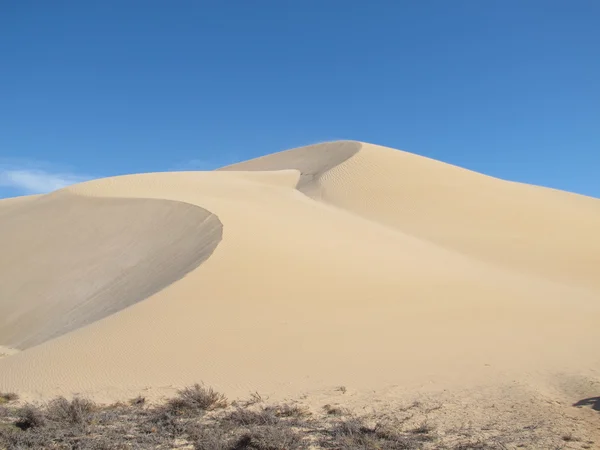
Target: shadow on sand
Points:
(592, 402)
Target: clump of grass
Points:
(255, 398)
(334, 410)
(213, 438)
(353, 433)
(356, 432)
(196, 399)
(270, 438)
(287, 410)
(138, 401)
(246, 417)
(8, 397)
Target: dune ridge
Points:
(340, 263)
(312, 162)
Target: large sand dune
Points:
(340, 264)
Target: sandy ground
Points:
(336, 264)
(7, 351)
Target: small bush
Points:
(355, 433)
(196, 399)
(30, 417)
(246, 417)
(75, 412)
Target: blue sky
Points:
(87, 89)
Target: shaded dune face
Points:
(82, 259)
(311, 161)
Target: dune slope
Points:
(340, 263)
(68, 261)
(312, 162)
(542, 231)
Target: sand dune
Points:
(312, 162)
(540, 230)
(81, 259)
(340, 263)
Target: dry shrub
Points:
(255, 398)
(356, 433)
(196, 399)
(271, 437)
(246, 417)
(213, 438)
(423, 428)
(286, 410)
(163, 421)
(30, 416)
(332, 410)
(78, 411)
(183, 422)
(138, 401)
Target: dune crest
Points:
(312, 162)
(340, 263)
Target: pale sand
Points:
(340, 264)
(7, 351)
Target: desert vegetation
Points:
(202, 419)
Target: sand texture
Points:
(340, 263)
(91, 258)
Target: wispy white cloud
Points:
(27, 177)
(37, 181)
